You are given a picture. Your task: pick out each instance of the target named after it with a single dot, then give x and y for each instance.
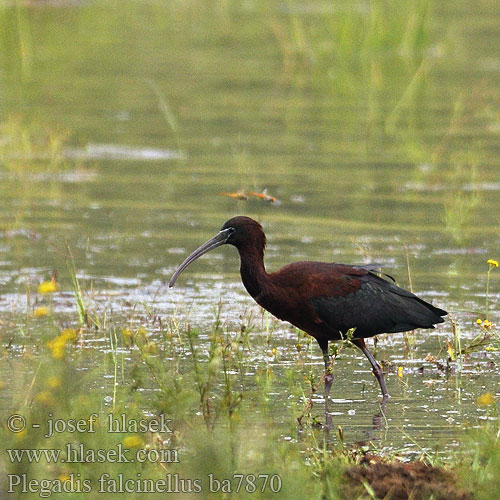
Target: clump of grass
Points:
(364, 52)
(225, 352)
(487, 329)
(480, 462)
(350, 35)
(459, 204)
(461, 348)
(26, 147)
(83, 316)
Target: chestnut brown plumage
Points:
(325, 300)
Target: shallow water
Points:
(385, 155)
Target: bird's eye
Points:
(231, 230)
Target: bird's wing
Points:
(373, 305)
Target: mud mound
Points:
(404, 481)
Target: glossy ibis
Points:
(325, 300)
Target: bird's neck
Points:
(252, 270)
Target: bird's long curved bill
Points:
(218, 240)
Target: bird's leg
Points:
(328, 381)
(377, 370)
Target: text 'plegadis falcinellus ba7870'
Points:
(325, 300)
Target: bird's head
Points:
(239, 231)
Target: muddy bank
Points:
(402, 481)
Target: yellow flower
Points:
(40, 312)
(53, 382)
(127, 334)
(58, 351)
(151, 347)
(451, 352)
(48, 287)
(45, 398)
(64, 477)
(132, 441)
(479, 321)
(68, 334)
(492, 263)
(58, 344)
(485, 399)
(142, 332)
(400, 371)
